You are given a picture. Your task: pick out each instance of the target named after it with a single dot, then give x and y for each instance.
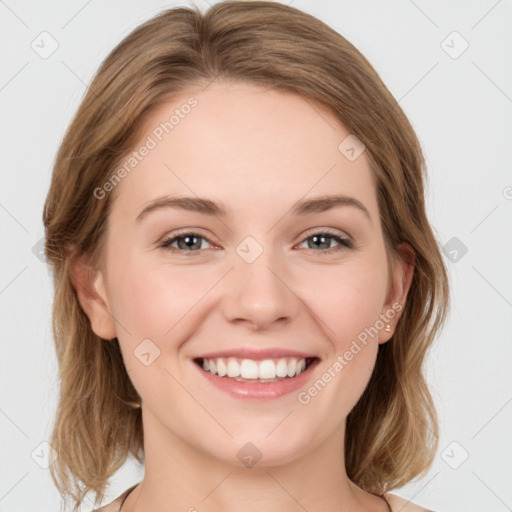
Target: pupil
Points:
(193, 245)
(320, 237)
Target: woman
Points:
(246, 280)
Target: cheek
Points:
(159, 304)
(348, 299)
(150, 302)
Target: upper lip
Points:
(257, 354)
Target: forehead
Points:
(243, 145)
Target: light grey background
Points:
(461, 108)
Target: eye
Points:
(322, 238)
(187, 242)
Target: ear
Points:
(400, 279)
(89, 285)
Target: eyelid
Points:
(343, 239)
(182, 233)
(327, 231)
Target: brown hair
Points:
(392, 432)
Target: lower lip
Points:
(259, 390)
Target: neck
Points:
(179, 476)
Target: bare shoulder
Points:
(399, 504)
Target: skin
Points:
(257, 151)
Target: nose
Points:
(259, 295)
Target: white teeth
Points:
(267, 369)
(233, 368)
(282, 368)
(221, 368)
(250, 369)
(292, 367)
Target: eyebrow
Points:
(212, 208)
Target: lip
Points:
(257, 355)
(259, 390)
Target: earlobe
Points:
(400, 282)
(90, 288)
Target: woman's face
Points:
(254, 278)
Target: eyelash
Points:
(345, 243)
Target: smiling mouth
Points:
(248, 370)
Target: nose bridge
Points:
(258, 292)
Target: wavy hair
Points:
(392, 432)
